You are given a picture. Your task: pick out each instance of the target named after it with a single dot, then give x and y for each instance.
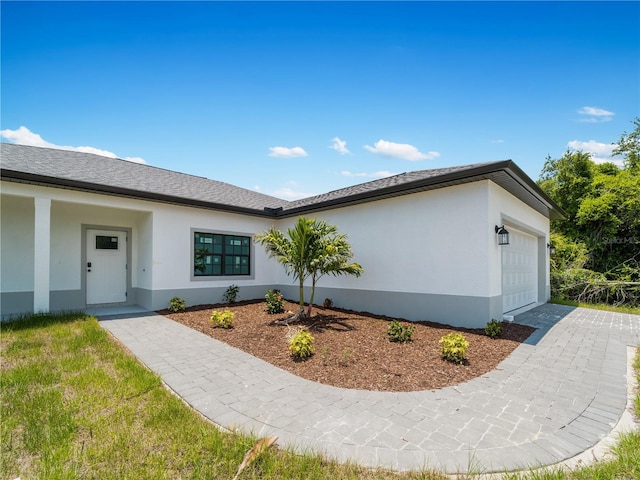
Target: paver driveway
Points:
(555, 396)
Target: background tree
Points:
(629, 147)
(600, 239)
(311, 248)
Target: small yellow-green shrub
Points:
(453, 347)
(222, 319)
(301, 344)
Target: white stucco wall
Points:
(508, 210)
(437, 243)
(145, 247)
(70, 210)
(16, 243)
(173, 256)
(430, 242)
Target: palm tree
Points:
(312, 248)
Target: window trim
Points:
(223, 278)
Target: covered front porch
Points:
(49, 246)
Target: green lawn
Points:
(598, 306)
(75, 404)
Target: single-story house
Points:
(80, 230)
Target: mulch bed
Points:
(352, 349)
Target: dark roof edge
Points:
(485, 170)
(535, 189)
(43, 180)
(482, 171)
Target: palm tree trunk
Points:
(313, 294)
(301, 295)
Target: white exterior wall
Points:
(425, 256)
(161, 261)
(67, 220)
(16, 244)
(508, 210)
(172, 254)
(430, 242)
(70, 211)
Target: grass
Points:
(75, 404)
(597, 306)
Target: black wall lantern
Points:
(503, 235)
(552, 249)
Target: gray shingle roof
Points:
(127, 177)
(89, 172)
(400, 180)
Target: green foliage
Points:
(453, 347)
(582, 285)
(400, 332)
(597, 248)
(222, 319)
(567, 180)
(568, 253)
(177, 304)
(231, 293)
(275, 301)
(629, 147)
(570, 279)
(301, 344)
(493, 329)
(311, 249)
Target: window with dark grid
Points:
(217, 255)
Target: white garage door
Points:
(519, 270)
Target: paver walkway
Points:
(555, 396)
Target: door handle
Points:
(89, 266)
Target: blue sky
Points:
(300, 98)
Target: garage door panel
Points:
(519, 270)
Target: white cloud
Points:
(339, 146)
(595, 115)
(499, 140)
(284, 152)
(290, 194)
(378, 174)
(400, 150)
(600, 152)
(24, 136)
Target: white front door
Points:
(106, 266)
(519, 270)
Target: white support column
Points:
(41, 254)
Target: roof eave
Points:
(459, 177)
(535, 196)
(47, 181)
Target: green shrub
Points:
(231, 293)
(301, 344)
(454, 347)
(275, 302)
(222, 319)
(177, 304)
(493, 328)
(400, 332)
